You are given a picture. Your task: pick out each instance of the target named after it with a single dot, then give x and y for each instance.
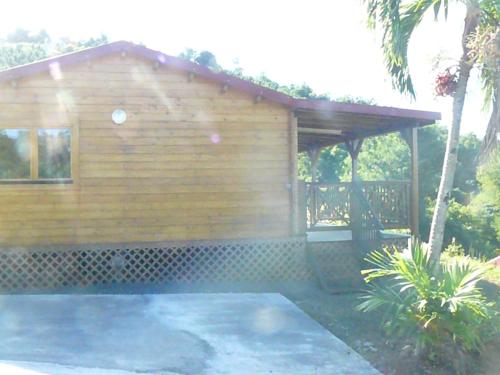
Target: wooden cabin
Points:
(122, 164)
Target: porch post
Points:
(414, 201)
(293, 173)
(411, 138)
(354, 148)
(314, 157)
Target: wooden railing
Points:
(367, 231)
(330, 204)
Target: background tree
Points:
(205, 58)
(331, 168)
(66, 45)
(23, 47)
(398, 19)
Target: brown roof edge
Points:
(426, 117)
(237, 83)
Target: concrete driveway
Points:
(167, 334)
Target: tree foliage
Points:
(208, 59)
(205, 58)
(20, 54)
(485, 48)
(67, 45)
(398, 20)
(332, 165)
(485, 208)
(384, 158)
(22, 47)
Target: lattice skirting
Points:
(340, 262)
(399, 243)
(337, 261)
(189, 262)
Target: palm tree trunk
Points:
(490, 138)
(450, 159)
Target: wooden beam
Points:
(293, 173)
(307, 144)
(320, 131)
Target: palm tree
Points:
(398, 19)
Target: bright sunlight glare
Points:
(325, 44)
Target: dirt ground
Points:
(362, 332)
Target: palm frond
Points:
(398, 20)
(434, 309)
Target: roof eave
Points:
(422, 117)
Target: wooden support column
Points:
(414, 193)
(411, 138)
(354, 147)
(293, 173)
(314, 158)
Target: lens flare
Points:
(269, 321)
(55, 71)
(215, 138)
(162, 58)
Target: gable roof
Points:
(22, 71)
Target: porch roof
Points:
(326, 123)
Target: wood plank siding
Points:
(191, 162)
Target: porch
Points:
(344, 221)
(363, 207)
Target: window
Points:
(35, 155)
(54, 153)
(15, 154)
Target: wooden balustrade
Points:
(366, 231)
(330, 204)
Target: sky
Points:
(324, 43)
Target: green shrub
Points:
(473, 228)
(439, 310)
(454, 249)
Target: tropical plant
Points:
(438, 313)
(398, 20)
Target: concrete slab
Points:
(167, 334)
